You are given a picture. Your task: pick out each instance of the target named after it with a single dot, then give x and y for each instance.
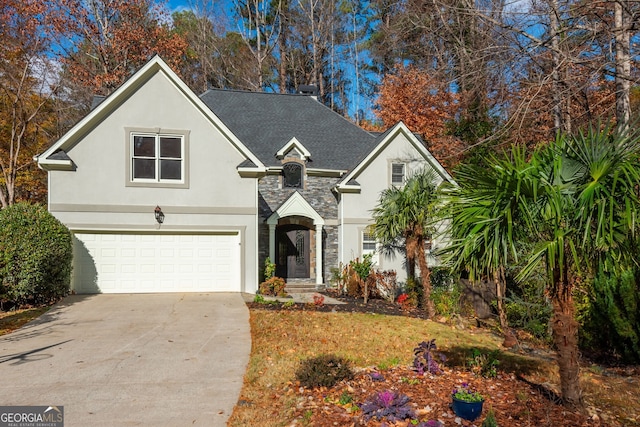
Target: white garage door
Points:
(131, 263)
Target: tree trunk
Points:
(623, 65)
(559, 116)
(565, 339)
(365, 286)
(425, 277)
(501, 285)
(282, 46)
(411, 256)
(500, 280)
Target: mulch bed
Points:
(351, 305)
(515, 401)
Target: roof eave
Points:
(343, 188)
(59, 165)
(252, 172)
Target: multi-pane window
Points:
(158, 158)
(397, 174)
(369, 245)
(292, 175)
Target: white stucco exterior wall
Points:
(356, 207)
(96, 195)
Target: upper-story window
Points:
(398, 172)
(157, 158)
(292, 175)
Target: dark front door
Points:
(293, 252)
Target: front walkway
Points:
(297, 297)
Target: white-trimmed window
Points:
(157, 158)
(369, 245)
(398, 172)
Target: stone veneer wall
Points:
(317, 191)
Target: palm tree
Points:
(404, 220)
(482, 208)
(576, 201)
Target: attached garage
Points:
(109, 262)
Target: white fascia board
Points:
(155, 65)
(49, 165)
(348, 188)
(326, 172)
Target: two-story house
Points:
(168, 191)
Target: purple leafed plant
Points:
(425, 358)
(387, 404)
(376, 376)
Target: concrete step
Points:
(299, 286)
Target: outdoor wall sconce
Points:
(159, 215)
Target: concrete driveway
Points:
(131, 360)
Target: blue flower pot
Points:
(467, 410)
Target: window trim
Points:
(130, 133)
(375, 252)
(391, 174)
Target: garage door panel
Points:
(129, 263)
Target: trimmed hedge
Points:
(35, 255)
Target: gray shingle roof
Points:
(59, 155)
(265, 122)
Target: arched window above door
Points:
(292, 175)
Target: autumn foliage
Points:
(28, 30)
(115, 39)
(586, 101)
(425, 105)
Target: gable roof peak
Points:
(296, 145)
(156, 65)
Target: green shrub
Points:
(35, 255)
(447, 299)
(362, 268)
(441, 278)
(490, 420)
(527, 308)
(323, 371)
(269, 269)
(611, 319)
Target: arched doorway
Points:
(299, 244)
(293, 251)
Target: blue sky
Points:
(179, 5)
(357, 101)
